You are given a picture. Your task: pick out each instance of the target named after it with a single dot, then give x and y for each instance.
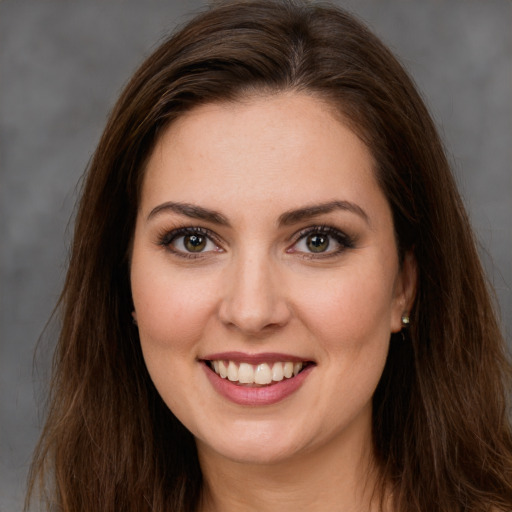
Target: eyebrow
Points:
(295, 216)
(286, 219)
(190, 210)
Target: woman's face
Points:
(264, 247)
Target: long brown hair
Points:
(442, 437)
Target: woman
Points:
(274, 301)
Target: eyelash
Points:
(166, 238)
(342, 239)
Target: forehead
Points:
(285, 148)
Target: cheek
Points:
(172, 316)
(352, 308)
(172, 311)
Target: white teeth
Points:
(223, 371)
(277, 372)
(263, 373)
(245, 373)
(288, 369)
(232, 371)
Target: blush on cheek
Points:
(173, 321)
(351, 325)
(339, 313)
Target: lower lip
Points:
(267, 395)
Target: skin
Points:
(257, 287)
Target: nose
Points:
(254, 298)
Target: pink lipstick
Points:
(256, 379)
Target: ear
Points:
(405, 290)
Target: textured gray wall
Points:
(62, 64)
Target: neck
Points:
(338, 476)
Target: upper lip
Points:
(264, 357)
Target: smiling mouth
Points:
(255, 375)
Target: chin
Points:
(257, 453)
(256, 444)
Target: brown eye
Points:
(190, 242)
(317, 242)
(194, 243)
(321, 242)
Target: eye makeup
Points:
(320, 242)
(190, 242)
(313, 242)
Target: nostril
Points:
(254, 318)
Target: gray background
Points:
(62, 65)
